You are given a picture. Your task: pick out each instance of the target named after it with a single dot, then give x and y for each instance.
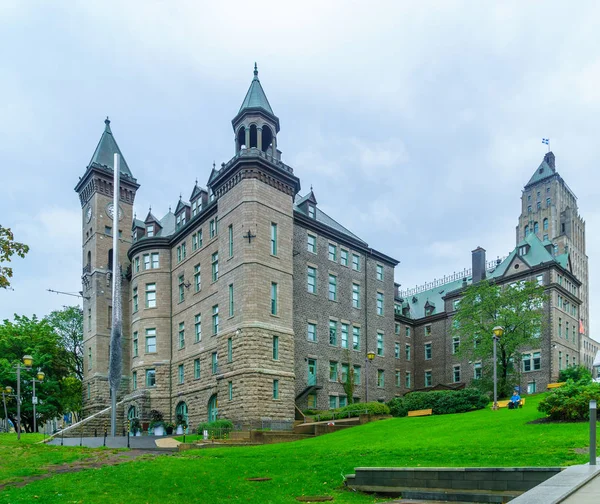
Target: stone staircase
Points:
(95, 424)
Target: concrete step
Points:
(459, 495)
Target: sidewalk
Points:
(138, 443)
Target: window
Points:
(547, 202)
(181, 334)
(150, 231)
(133, 380)
(196, 369)
(456, 374)
(183, 251)
(151, 340)
(355, 295)
(311, 400)
(275, 347)
(229, 350)
(135, 344)
(332, 288)
(407, 352)
(311, 211)
(427, 351)
(344, 257)
(275, 389)
(380, 378)
(155, 261)
(477, 371)
(428, 381)
(333, 371)
(273, 298)
(536, 228)
(333, 332)
(230, 238)
(396, 328)
(312, 244)
(215, 319)
(545, 224)
(407, 379)
(355, 262)
(397, 350)
(355, 338)
(538, 205)
(332, 402)
(198, 327)
(194, 242)
(540, 279)
(136, 264)
(196, 207)
(108, 230)
(344, 335)
(180, 220)
(180, 373)
(455, 344)
(526, 231)
(89, 357)
(343, 401)
(560, 320)
(197, 278)
(150, 377)
(407, 331)
(379, 344)
(311, 279)
(532, 361)
(398, 379)
(215, 266)
(151, 295)
(212, 228)
(181, 286)
(89, 319)
(379, 272)
(332, 252)
(528, 208)
(428, 330)
(380, 303)
(135, 299)
(273, 238)
(345, 371)
(356, 375)
(214, 363)
(147, 261)
(199, 234)
(311, 331)
(179, 253)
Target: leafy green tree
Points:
(348, 381)
(517, 308)
(71, 394)
(31, 336)
(579, 374)
(9, 247)
(68, 324)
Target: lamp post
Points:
(498, 332)
(370, 357)
(39, 377)
(6, 391)
(27, 363)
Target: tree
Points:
(68, 324)
(516, 307)
(348, 381)
(33, 337)
(9, 247)
(579, 374)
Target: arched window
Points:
(267, 138)
(241, 137)
(546, 224)
(253, 136)
(536, 227)
(181, 412)
(212, 408)
(526, 230)
(132, 413)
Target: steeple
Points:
(104, 153)
(546, 169)
(255, 124)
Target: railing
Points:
(332, 415)
(253, 151)
(87, 269)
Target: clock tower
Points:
(95, 189)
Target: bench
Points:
(420, 412)
(555, 385)
(504, 404)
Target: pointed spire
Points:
(256, 97)
(107, 123)
(255, 71)
(106, 149)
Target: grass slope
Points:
(315, 466)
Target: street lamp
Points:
(28, 363)
(370, 357)
(39, 377)
(6, 392)
(498, 332)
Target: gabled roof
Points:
(137, 223)
(256, 97)
(546, 169)
(197, 192)
(106, 149)
(309, 197)
(151, 218)
(181, 205)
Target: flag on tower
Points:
(546, 141)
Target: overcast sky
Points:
(418, 123)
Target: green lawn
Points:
(316, 466)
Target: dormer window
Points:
(522, 251)
(134, 235)
(150, 231)
(311, 211)
(196, 207)
(180, 220)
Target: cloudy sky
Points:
(417, 123)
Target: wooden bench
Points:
(555, 385)
(420, 412)
(504, 404)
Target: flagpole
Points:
(115, 295)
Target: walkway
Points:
(135, 442)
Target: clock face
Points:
(88, 214)
(110, 211)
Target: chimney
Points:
(478, 271)
(551, 160)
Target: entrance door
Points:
(182, 411)
(312, 372)
(212, 408)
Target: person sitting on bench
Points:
(515, 401)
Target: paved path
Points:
(138, 443)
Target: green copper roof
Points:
(545, 170)
(563, 260)
(105, 151)
(256, 97)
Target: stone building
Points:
(248, 302)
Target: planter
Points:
(159, 430)
(138, 433)
(179, 431)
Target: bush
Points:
(156, 418)
(442, 402)
(219, 429)
(570, 402)
(350, 411)
(576, 373)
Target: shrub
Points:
(350, 411)
(219, 429)
(156, 418)
(442, 402)
(575, 373)
(570, 402)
